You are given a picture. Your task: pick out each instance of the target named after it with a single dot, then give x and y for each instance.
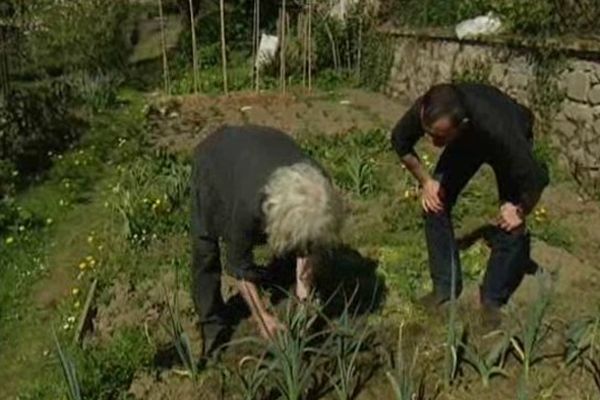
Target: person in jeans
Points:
(251, 185)
(475, 124)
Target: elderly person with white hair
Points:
(253, 185)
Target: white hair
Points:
(302, 208)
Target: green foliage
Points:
(178, 334)
(478, 71)
(79, 34)
(402, 378)
(583, 340)
(107, 370)
(150, 197)
(35, 123)
(540, 17)
(527, 342)
(358, 176)
(490, 364)
(69, 372)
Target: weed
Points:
(359, 176)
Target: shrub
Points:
(35, 123)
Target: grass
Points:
(490, 364)
(69, 371)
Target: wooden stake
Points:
(282, 58)
(85, 312)
(194, 54)
(258, 36)
(223, 47)
(310, 44)
(163, 40)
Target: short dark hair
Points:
(443, 100)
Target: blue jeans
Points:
(510, 257)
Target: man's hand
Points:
(269, 326)
(433, 195)
(510, 218)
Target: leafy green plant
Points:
(150, 197)
(69, 371)
(359, 175)
(252, 378)
(527, 342)
(348, 340)
(583, 346)
(490, 364)
(402, 378)
(455, 332)
(178, 335)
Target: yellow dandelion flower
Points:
(71, 319)
(75, 291)
(77, 304)
(82, 265)
(21, 228)
(100, 247)
(49, 221)
(92, 263)
(406, 194)
(66, 327)
(90, 239)
(9, 240)
(61, 202)
(89, 258)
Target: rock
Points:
(517, 80)
(594, 95)
(565, 128)
(578, 113)
(596, 128)
(578, 86)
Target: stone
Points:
(497, 73)
(596, 128)
(565, 128)
(578, 113)
(594, 95)
(578, 86)
(517, 80)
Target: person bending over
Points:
(253, 185)
(475, 124)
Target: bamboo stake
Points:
(310, 45)
(258, 36)
(194, 47)
(304, 49)
(254, 45)
(359, 50)
(282, 59)
(163, 40)
(223, 47)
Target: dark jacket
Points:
(230, 169)
(501, 130)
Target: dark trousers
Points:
(510, 251)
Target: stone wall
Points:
(421, 60)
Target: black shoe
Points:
(214, 337)
(433, 302)
(491, 317)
